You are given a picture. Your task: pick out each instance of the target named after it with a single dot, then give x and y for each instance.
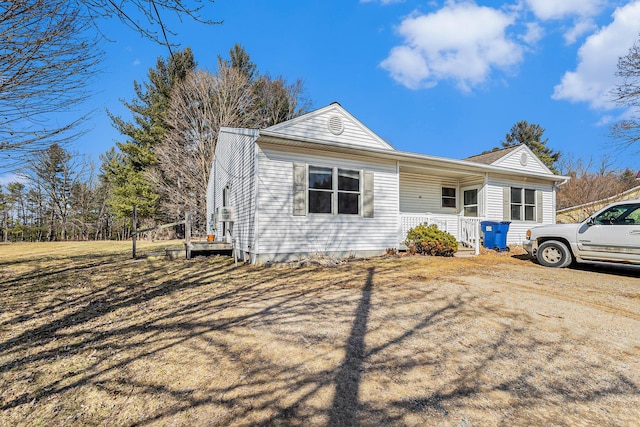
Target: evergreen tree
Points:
(17, 193)
(530, 135)
(55, 172)
(240, 60)
(126, 170)
(628, 178)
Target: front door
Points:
(613, 234)
(470, 201)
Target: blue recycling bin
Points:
(495, 234)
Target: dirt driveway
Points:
(488, 341)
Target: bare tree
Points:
(50, 52)
(145, 16)
(45, 63)
(199, 106)
(278, 100)
(627, 94)
(587, 185)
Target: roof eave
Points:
(295, 141)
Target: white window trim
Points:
(455, 197)
(478, 189)
(523, 205)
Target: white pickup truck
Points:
(611, 235)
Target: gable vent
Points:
(336, 126)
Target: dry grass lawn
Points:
(90, 337)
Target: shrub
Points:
(428, 240)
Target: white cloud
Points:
(581, 28)
(594, 77)
(8, 178)
(534, 33)
(560, 9)
(606, 120)
(408, 67)
(463, 42)
(581, 10)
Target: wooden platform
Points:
(207, 247)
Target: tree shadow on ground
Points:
(621, 269)
(204, 343)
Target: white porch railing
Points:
(465, 229)
(470, 232)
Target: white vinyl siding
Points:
(234, 167)
(423, 193)
(498, 188)
(316, 126)
(512, 161)
(283, 233)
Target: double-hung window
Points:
(348, 192)
(320, 189)
(334, 190)
(523, 204)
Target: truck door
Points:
(612, 235)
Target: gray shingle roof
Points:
(492, 156)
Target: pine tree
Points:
(530, 134)
(240, 60)
(126, 169)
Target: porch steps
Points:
(464, 252)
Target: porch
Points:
(466, 230)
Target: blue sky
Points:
(445, 78)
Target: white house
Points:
(323, 183)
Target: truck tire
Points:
(554, 254)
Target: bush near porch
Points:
(429, 240)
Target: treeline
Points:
(589, 183)
(163, 163)
(60, 197)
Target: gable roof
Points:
(491, 156)
(517, 157)
(330, 124)
(312, 131)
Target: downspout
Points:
(485, 195)
(400, 237)
(555, 202)
(253, 246)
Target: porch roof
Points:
(408, 161)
